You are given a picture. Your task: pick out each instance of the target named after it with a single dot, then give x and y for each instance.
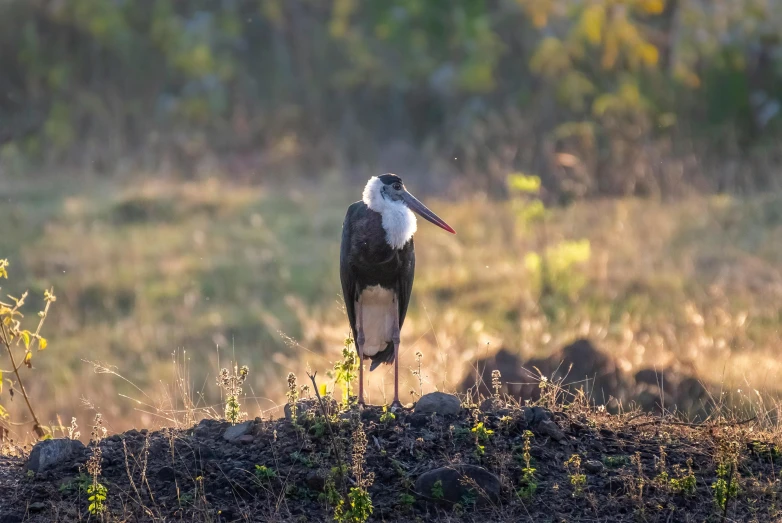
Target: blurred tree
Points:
(598, 96)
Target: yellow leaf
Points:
(652, 7)
(26, 337)
(592, 22)
(649, 54)
(42, 343)
(323, 389)
(27, 360)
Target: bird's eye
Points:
(397, 186)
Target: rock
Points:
(534, 415)
(457, 482)
(234, 432)
(492, 404)
(166, 474)
(438, 403)
(51, 453)
(593, 466)
(10, 518)
(549, 428)
(247, 438)
(36, 507)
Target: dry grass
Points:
(145, 272)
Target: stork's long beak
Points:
(422, 210)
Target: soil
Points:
(197, 475)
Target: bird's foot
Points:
(396, 405)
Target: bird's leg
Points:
(396, 339)
(360, 346)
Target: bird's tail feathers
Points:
(384, 357)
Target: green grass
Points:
(145, 271)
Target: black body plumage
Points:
(366, 259)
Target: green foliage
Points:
(614, 462)
(482, 434)
(576, 477)
(726, 486)
(387, 415)
(358, 508)
(232, 382)
(406, 500)
(346, 370)
(621, 65)
(528, 484)
(264, 474)
(554, 265)
(97, 496)
(437, 489)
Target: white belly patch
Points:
(377, 310)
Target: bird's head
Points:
(387, 192)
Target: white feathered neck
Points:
(398, 220)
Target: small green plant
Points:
(96, 491)
(726, 487)
(406, 500)
(437, 489)
(97, 497)
(358, 506)
(662, 473)
(577, 478)
(482, 434)
(528, 483)
(614, 462)
(345, 371)
(301, 458)
(683, 483)
(766, 451)
(264, 474)
(232, 382)
(15, 339)
(387, 415)
(292, 395)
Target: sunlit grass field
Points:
(152, 277)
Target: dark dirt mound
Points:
(581, 365)
(280, 471)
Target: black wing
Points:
(345, 273)
(406, 276)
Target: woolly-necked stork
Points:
(377, 265)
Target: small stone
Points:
(166, 474)
(534, 415)
(51, 453)
(549, 428)
(247, 438)
(234, 432)
(492, 404)
(593, 466)
(438, 403)
(36, 507)
(459, 481)
(10, 518)
(316, 481)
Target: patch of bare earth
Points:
(631, 467)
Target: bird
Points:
(377, 267)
